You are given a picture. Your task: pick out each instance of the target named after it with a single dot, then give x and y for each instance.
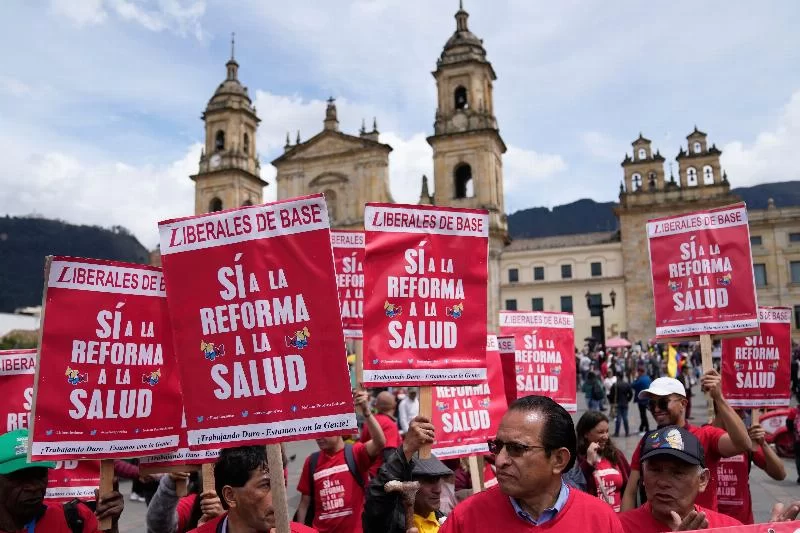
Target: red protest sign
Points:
(348, 258)
(544, 354)
(256, 324)
(507, 346)
(756, 370)
(17, 368)
(106, 383)
(425, 313)
(702, 273)
(180, 457)
(72, 479)
(467, 416)
(770, 527)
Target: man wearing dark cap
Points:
(22, 489)
(384, 512)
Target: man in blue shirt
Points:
(641, 383)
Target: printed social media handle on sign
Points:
(702, 274)
(467, 416)
(425, 314)
(17, 368)
(756, 370)
(72, 479)
(257, 324)
(106, 384)
(348, 257)
(544, 354)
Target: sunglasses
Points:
(513, 449)
(662, 403)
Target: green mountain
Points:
(25, 241)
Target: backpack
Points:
(598, 393)
(72, 516)
(349, 459)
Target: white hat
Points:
(664, 387)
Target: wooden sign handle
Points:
(476, 473)
(209, 483)
(359, 345)
(426, 410)
(278, 488)
(181, 487)
(106, 487)
(754, 416)
(708, 364)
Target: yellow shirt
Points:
(428, 524)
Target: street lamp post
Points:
(601, 308)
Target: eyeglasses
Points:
(513, 449)
(662, 403)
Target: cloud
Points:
(772, 156)
(79, 12)
(524, 173)
(603, 146)
(14, 87)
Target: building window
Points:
(219, 141)
(460, 98)
(511, 305)
(595, 301)
(513, 275)
(566, 304)
(636, 182)
(794, 237)
(246, 143)
(214, 205)
(642, 153)
(463, 181)
(797, 316)
(755, 240)
(330, 200)
(708, 175)
(794, 271)
(538, 273)
(760, 273)
(697, 147)
(691, 177)
(537, 304)
(597, 269)
(566, 271)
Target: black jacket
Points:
(383, 511)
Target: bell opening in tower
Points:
(219, 141)
(214, 205)
(460, 98)
(464, 187)
(246, 144)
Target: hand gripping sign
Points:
(702, 274)
(17, 368)
(106, 384)
(467, 416)
(756, 370)
(544, 354)
(256, 321)
(425, 313)
(348, 257)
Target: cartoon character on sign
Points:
(151, 378)
(442, 406)
(300, 339)
(725, 280)
(519, 369)
(210, 351)
(456, 311)
(556, 370)
(774, 366)
(484, 403)
(74, 376)
(675, 286)
(738, 366)
(392, 310)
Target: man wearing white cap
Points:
(668, 405)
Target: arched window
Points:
(652, 180)
(214, 205)
(219, 141)
(463, 181)
(636, 182)
(691, 177)
(697, 147)
(247, 202)
(246, 144)
(460, 97)
(642, 153)
(330, 199)
(708, 175)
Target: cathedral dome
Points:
(463, 44)
(231, 86)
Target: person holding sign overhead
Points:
(22, 490)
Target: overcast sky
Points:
(100, 99)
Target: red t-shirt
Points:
(390, 431)
(184, 511)
(211, 526)
(491, 510)
(338, 500)
(609, 480)
(794, 416)
(733, 485)
(641, 520)
(709, 438)
(54, 521)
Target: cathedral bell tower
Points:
(467, 147)
(229, 173)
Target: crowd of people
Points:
(543, 471)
